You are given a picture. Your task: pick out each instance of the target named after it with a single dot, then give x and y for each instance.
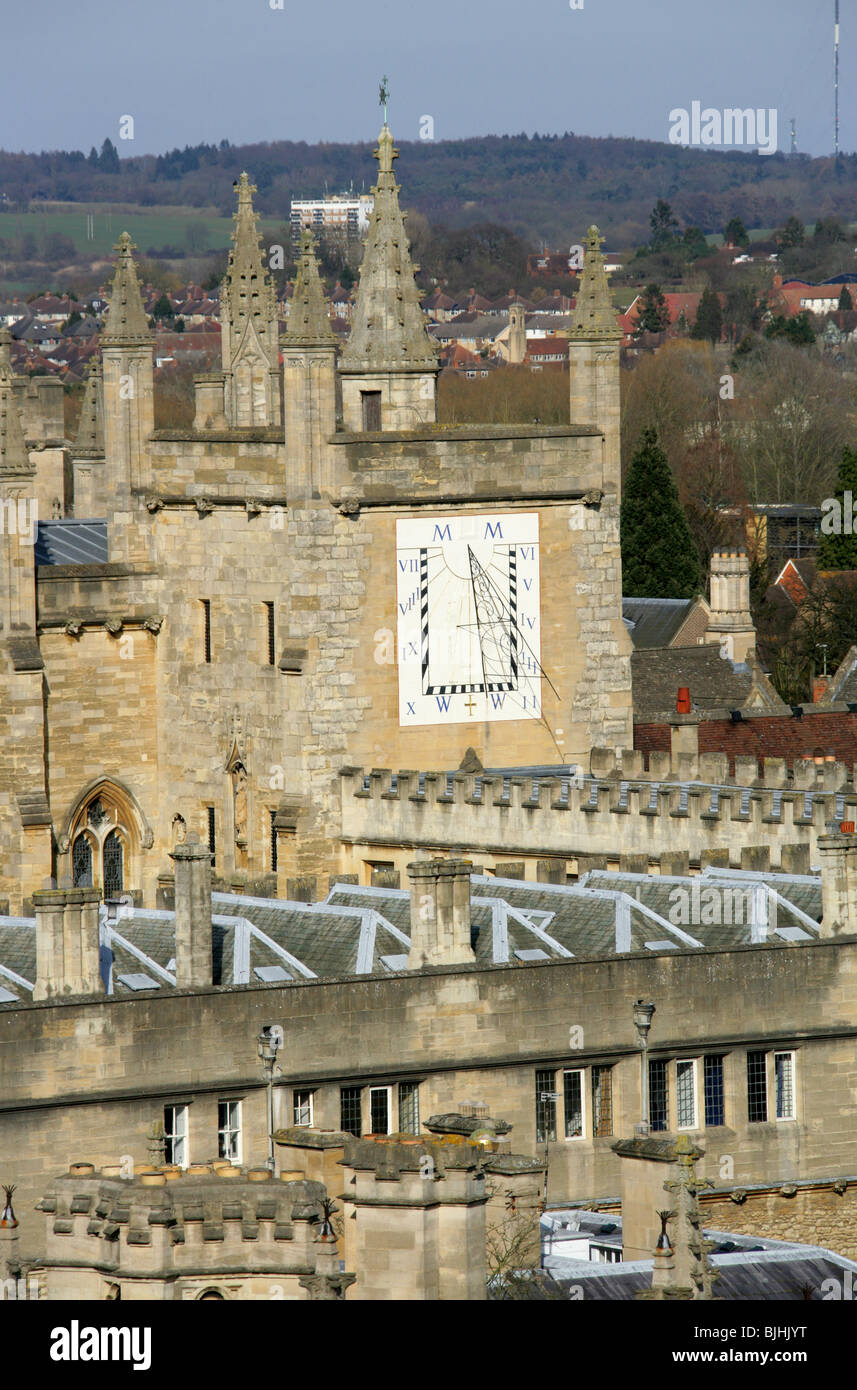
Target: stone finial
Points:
(89, 442)
(14, 458)
(126, 318)
(388, 327)
(593, 315)
(247, 293)
(309, 321)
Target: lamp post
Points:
(642, 1022)
(547, 1098)
(269, 1043)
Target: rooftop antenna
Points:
(836, 78)
(384, 89)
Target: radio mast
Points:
(836, 77)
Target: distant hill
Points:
(548, 187)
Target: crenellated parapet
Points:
(689, 807)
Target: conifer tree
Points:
(845, 300)
(837, 550)
(709, 317)
(659, 558)
(652, 313)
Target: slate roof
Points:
(654, 622)
(843, 684)
(714, 681)
(750, 1267)
(364, 931)
(71, 543)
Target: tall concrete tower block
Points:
(248, 324)
(389, 367)
(593, 348)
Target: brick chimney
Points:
(838, 851)
(193, 913)
(67, 942)
(440, 913)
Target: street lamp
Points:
(642, 1022)
(547, 1098)
(270, 1041)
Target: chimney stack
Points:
(838, 851)
(67, 942)
(731, 623)
(193, 913)
(440, 913)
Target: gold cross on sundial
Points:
(470, 704)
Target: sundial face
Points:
(469, 642)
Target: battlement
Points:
(163, 1224)
(685, 804)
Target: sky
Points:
(203, 70)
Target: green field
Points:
(190, 230)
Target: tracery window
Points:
(101, 841)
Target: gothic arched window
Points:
(103, 838)
(113, 859)
(81, 862)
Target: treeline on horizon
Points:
(549, 187)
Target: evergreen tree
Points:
(663, 224)
(709, 317)
(839, 551)
(653, 316)
(736, 233)
(108, 160)
(694, 244)
(793, 233)
(845, 300)
(659, 558)
(162, 309)
(92, 157)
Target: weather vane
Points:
(384, 96)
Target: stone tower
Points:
(17, 511)
(389, 367)
(128, 390)
(248, 321)
(309, 379)
(593, 348)
(88, 451)
(517, 334)
(23, 800)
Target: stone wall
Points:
(622, 812)
(89, 1077)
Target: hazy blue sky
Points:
(193, 70)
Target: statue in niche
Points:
(179, 830)
(239, 813)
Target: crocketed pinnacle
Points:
(309, 321)
(247, 291)
(90, 430)
(593, 315)
(126, 317)
(14, 459)
(388, 329)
